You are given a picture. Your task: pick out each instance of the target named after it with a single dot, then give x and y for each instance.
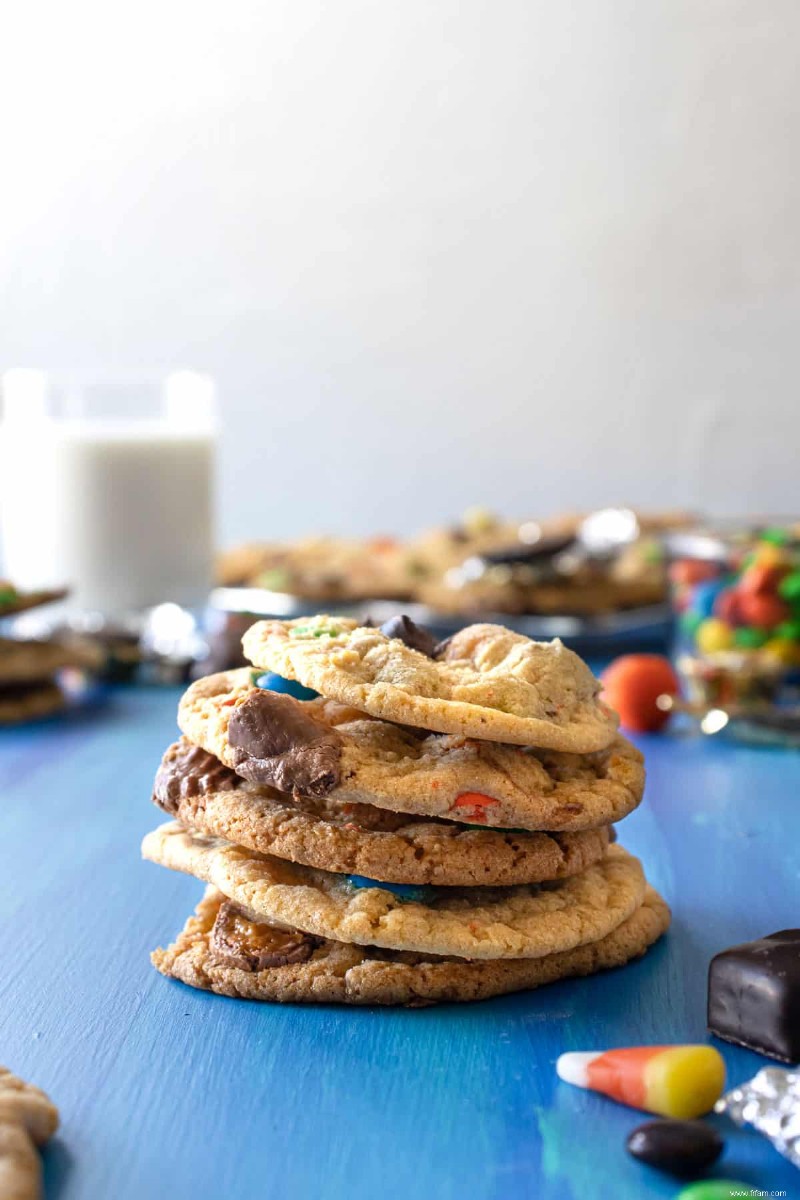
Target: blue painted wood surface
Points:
(165, 1091)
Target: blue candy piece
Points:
(286, 687)
(403, 891)
(704, 597)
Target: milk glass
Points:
(106, 487)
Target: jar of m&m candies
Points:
(736, 601)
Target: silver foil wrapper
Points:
(770, 1102)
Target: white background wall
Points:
(436, 252)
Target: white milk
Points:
(119, 512)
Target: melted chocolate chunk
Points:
(412, 635)
(754, 995)
(256, 945)
(440, 649)
(276, 742)
(188, 771)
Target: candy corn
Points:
(673, 1081)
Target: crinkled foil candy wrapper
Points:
(770, 1102)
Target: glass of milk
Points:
(106, 487)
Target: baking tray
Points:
(637, 627)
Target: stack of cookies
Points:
(381, 819)
(31, 670)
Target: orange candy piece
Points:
(477, 803)
(632, 685)
(763, 611)
(674, 1081)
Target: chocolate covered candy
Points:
(679, 1147)
(754, 995)
(239, 941)
(189, 771)
(276, 741)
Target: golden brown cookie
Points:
(29, 661)
(485, 681)
(27, 1119)
(503, 590)
(403, 769)
(360, 839)
(515, 922)
(13, 601)
(335, 972)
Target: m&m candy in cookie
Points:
(672, 1081)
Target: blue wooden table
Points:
(169, 1092)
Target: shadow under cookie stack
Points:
(384, 820)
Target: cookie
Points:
(320, 569)
(29, 661)
(27, 1120)
(360, 839)
(13, 601)
(485, 681)
(335, 972)
(516, 922)
(503, 589)
(29, 701)
(348, 756)
(23, 1104)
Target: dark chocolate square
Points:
(754, 995)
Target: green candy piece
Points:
(789, 630)
(750, 638)
(716, 1189)
(275, 579)
(690, 623)
(775, 536)
(305, 631)
(8, 595)
(789, 588)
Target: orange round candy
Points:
(761, 579)
(727, 607)
(763, 611)
(632, 685)
(688, 571)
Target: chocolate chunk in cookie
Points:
(256, 945)
(188, 771)
(278, 743)
(410, 634)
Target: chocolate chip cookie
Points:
(360, 839)
(322, 748)
(485, 681)
(485, 923)
(326, 971)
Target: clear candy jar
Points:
(736, 600)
